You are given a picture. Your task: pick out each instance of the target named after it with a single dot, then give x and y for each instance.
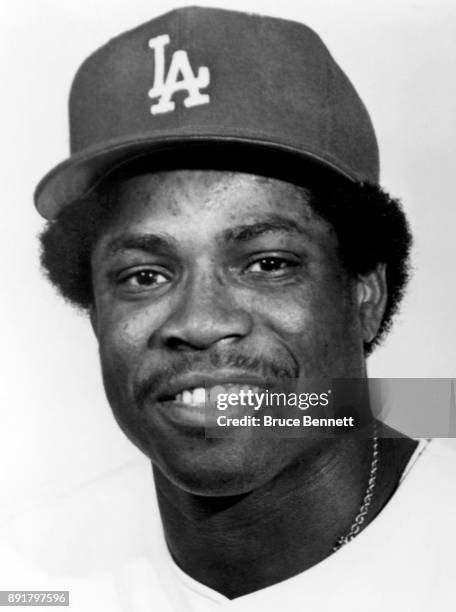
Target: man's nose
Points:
(205, 315)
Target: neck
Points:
(239, 544)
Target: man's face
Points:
(208, 277)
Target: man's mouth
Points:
(199, 396)
(197, 399)
(198, 406)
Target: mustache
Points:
(281, 367)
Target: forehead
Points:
(214, 197)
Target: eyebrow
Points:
(150, 243)
(153, 243)
(272, 223)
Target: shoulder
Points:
(94, 526)
(426, 497)
(435, 457)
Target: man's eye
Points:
(270, 265)
(144, 279)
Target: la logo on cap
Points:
(165, 87)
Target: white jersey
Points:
(105, 545)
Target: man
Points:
(221, 221)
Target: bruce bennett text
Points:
(269, 421)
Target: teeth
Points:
(187, 397)
(199, 395)
(247, 388)
(192, 396)
(214, 392)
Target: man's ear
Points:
(93, 319)
(371, 295)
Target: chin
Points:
(222, 468)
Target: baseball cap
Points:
(204, 76)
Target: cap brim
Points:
(79, 174)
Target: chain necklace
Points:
(368, 495)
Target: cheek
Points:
(122, 348)
(308, 309)
(317, 321)
(125, 329)
(123, 338)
